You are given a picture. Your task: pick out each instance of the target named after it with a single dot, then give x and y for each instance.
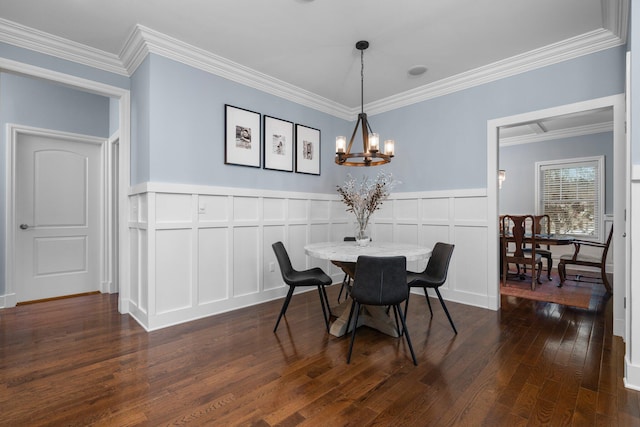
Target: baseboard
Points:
(631, 375)
(8, 300)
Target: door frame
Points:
(14, 131)
(620, 166)
(124, 167)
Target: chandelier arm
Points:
(365, 134)
(353, 135)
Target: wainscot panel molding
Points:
(197, 251)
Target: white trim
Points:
(49, 44)
(558, 134)
(631, 375)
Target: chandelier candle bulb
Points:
(341, 144)
(374, 142)
(389, 147)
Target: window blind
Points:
(570, 194)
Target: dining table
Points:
(338, 252)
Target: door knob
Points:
(23, 226)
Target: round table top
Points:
(349, 251)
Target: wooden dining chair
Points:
(542, 225)
(584, 260)
(516, 231)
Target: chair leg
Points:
(395, 316)
(426, 295)
(562, 272)
(345, 283)
(284, 306)
(324, 301)
(505, 268)
(605, 280)
(406, 333)
(549, 266)
(353, 333)
(446, 311)
(353, 304)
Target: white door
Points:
(57, 216)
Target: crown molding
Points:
(558, 134)
(48, 44)
(574, 47)
(144, 40)
(615, 17)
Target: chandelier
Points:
(371, 154)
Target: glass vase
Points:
(362, 235)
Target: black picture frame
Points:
(307, 150)
(277, 144)
(242, 137)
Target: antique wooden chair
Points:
(516, 231)
(585, 260)
(542, 226)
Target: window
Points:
(571, 192)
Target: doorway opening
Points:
(121, 181)
(620, 189)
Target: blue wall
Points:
(440, 143)
(185, 140)
(36, 103)
(517, 195)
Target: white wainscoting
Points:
(198, 251)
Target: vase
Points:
(362, 236)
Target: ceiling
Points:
(310, 44)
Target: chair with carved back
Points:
(585, 260)
(542, 226)
(516, 231)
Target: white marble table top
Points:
(349, 251)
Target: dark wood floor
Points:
(79, 362)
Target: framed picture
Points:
(278, 144)
(307, 150)
(242, 137)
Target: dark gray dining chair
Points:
(433, 276)
(380, 281)
(294, 278)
